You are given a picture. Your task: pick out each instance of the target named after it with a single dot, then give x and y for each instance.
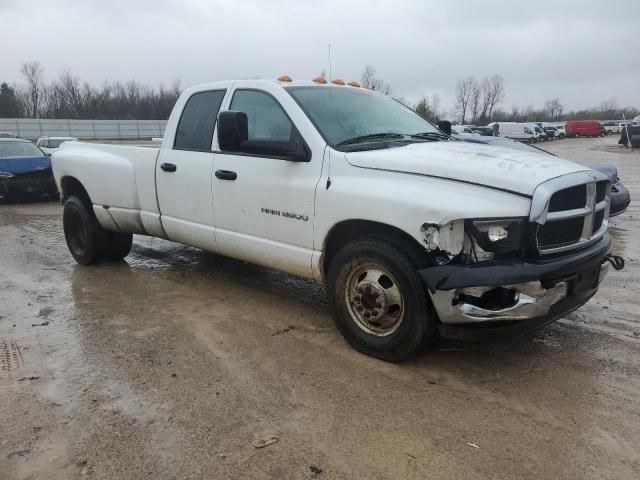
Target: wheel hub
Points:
(370, 302)
(374, 300)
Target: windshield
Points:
(19, 149)
(344, 113)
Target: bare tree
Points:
(370, 80)
(608, 105)
(436, 103)
(423, 109)
(495, 93)
(33, 74)
(554, 108)
(485, 94)
(475, 101)
(464, 90)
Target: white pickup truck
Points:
(415, 234)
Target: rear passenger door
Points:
(184, 173)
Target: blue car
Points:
(25, 171)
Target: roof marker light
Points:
(319, 80)
(337, 81)
(354, 84)
(284, 78)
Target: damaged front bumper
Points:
(39, 182)
(514, 296)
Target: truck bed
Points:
(121, 180)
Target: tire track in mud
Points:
(44, 226)
(10, 356)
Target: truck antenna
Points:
(330, 122)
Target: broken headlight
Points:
(500, 235)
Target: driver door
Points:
(264, 204)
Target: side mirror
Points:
(233, 129)
(445, 126)
(233, 134)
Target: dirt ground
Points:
(178, 363)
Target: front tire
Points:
(379, 302)
(88, 242)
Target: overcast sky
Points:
(582, 51)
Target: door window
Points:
(266, 118)
(195, 128)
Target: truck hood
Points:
(487, 165)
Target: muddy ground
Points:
(176, 362)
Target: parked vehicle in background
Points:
(7, 135)
(620, 196)
(560, 132)
(462, 129)
(25, 171)
(552, 132)
(543, 136)
(50, 144)
(309, 178)
(584, 128)
(611, 127)
(630, 134)
(515, 131)
(485, 131)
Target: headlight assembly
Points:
(498, 236)
(6, 175)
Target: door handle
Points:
(169, 167)
(226, 175)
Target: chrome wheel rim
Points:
(374, 300)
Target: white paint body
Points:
(439, 183)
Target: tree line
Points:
(68, 97)
(477, 101)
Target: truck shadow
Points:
(166, 265)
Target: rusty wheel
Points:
(378, 300)
(374, 300)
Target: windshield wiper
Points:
(430, 135)
(373, 136)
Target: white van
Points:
(516, 131)
(537, 130)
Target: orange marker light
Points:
(284, 78)
(319, 80)
(354, 84)
(337, 81)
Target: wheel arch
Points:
(72, 186)
(346, 231)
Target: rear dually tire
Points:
(88, 242)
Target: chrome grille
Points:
(570, 212)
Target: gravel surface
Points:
(182, 364)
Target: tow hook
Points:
(616, 261)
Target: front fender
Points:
(430, 210)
